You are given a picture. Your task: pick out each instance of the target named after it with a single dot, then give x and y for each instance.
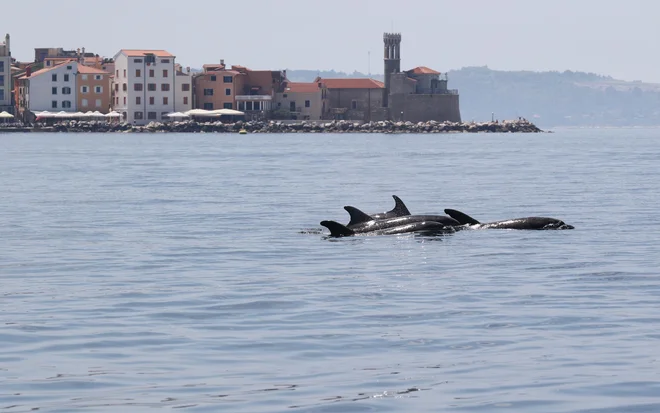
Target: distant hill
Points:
(546, 98)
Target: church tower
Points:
(392, 42)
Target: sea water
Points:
(189, 271)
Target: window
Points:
(165, 100)
(354, 104)
(151, 73)
(307, 103)
(165, 73)
(152, 100)
(165, 60)
(227, 92)
(66, 90)
(208, 106)
(69, 67)
(185, 87)
(124, 72)
(124, 100)
(138, 73)
(84, 103)
(98, 77)
(214, 78)
(285, 96)
(117, 101)
(292, 106)
(241, 105)
(227, 79)
(66, 104)
(2, 66)
(116, 87)
(84, 89)
(2, 79)
(163, 115)
(248, 105)
(54, 91)
(152, 115)
(165, 87)
(139, 115)
(53, 104)
(185, 100)
(151, 87)
(124, 88)
(66, 78)
(117, 73)
(54, 77)
(98, 89)
(150, 58)
(84, 77)
(137, 60)
(208, 92)
(227, 105)
(138, 100)
(98, 103)
(137, 87)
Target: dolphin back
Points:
(337, 229)
(462, 218)
(400, 210)
(357, 216)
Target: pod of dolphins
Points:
(400, 221)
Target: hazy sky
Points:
(616, 38)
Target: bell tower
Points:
(392, 43)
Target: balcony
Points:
(252, 98)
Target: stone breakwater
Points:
(518, 126)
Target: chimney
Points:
(28, 71)
(188, 69)
(7, 45)
(222, 62)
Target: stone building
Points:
(354, 99)
(416, 95)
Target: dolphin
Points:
(399, 210)
(362, 222)
(430, 227)
(533, 223)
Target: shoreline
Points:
(342, 126)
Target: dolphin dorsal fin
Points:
(459, 216)
(400, 209)
(337, 229)
(357, 216)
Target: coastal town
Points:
(78, 90)
(139, 86)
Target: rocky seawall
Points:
(518, 126)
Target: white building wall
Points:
(183, 97)
(41, 96)
(5, 81)
(121, 96)
(144, 105)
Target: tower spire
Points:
(392, 60)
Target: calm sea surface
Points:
(190, 271)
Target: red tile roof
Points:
(45, 69)
(299, 87)
(352, 83)
(138, 53)
(90, 70)
(423, 70)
